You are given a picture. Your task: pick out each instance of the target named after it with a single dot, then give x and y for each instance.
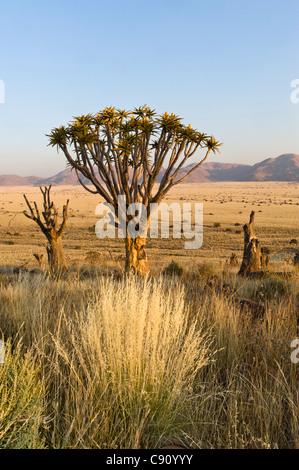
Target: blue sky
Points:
(224, 65)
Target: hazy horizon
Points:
(211, 160)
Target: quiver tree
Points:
(126, 154)
(252, 256)
(51, 227)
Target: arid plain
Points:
(227, 207)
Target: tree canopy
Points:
(124, 152)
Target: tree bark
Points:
(56, 256)
(252, 255)
(136, 257)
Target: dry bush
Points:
(21, 401)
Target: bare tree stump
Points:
(252, 250)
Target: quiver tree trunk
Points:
(56, 257)
(136, 257)
(51, 228)
(252, 255)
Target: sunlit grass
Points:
(134, 363)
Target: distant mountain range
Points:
(283, 168)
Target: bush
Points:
(217, 224)
(21, 402)
(173, 269)
(272, 288)
(124, 366)
(294, 241)
(4, 281)
(206, 270)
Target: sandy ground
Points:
(277, 222)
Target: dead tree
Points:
(39, 258)
(252, 255)
(133, 154)
(50, 227)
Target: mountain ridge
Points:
(282, 168)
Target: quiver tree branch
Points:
(50, 226)
(124, 152)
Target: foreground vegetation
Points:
(96, 361)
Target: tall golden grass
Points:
(139, 363)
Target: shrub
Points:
(272, 288)
(4, 281)
(173, 269)
(217, 224)
(124, 366)
(294, 241)
(206, 270)
(21, 402)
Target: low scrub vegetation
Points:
(105, 362)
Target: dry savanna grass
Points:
(98, 359)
